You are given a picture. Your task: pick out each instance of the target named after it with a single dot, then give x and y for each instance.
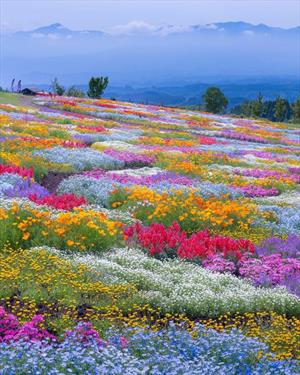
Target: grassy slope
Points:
(10, 98)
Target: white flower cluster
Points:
(95, 191)
(183, 287)
(117, 145)
(81, 159)
(8, 181)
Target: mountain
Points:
(136, 28)
(58, 31)
(233, 28)
(143, 54)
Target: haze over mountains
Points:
(143, 55)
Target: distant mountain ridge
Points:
(134, 28)
(139, 53)
(59, 30)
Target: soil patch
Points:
(53, 179)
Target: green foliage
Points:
(296, 111)
(97, 85)
(282, 109)
(215, 100)
(274, 110)
(258, 106)
(75, 92)
(57, 88)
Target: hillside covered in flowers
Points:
(140, 239)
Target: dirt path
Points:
(28, 102)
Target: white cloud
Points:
(249, 32)
(37, 35)
(6, 29)
(211, 26)
(170, 29)
(52, 36)
(134, 27)
(144, 28)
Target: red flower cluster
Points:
(207, 140)
(96, 129)
(171, 241)
(73, 144)
(22, 171)
(67, 102)
(61, 202)
(202, 245)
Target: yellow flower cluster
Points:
(191, 210)
(280, 333)
(167, 142)
(78, 229)
(39, 282)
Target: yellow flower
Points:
(26, 236)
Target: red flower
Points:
(62, 202)
(161, 241)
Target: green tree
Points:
(97, 85)
(57, 88)
(74, 91)
(247, 108)
(296, 111)
(215, 101)
(282, 109)
(258, 106)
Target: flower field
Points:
(139, 239)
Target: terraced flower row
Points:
(130, 234)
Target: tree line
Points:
(279, 109)
(215, 101)
(97, 85)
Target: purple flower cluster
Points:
(275, 262)
(258, 191)
(219, 264)
(263, 173)
(183, 149)
(242, 137)
(85, 138)
(26, 187)
(171, 177)
(270, 270)
(130, 158)
(295, 170)
(262, 155)
(290, 247)
(12, 330)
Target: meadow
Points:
(140, 239)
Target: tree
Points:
(269, 110)
(247, 108)
(57, 88)
(215, 101)
(258, 106)
(296, 111)
(97, 85)
(74, 91)
(282, 109)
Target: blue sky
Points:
(103, 15)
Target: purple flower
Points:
(271, 270)
(290, 247)
(258, 191)
(26, 187)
